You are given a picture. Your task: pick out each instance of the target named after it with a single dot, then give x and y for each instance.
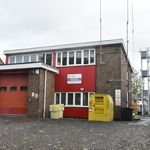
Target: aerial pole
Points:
(133, 31)
(127, 43)
(101, 49)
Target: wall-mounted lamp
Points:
(81, 89)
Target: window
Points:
(78, 57)
(64, 58)
(71, 58)
(12, 59)
(49, 59)
(26, 58)
(85, 99)
(86, 56)
(58, 59)
(70, 98)
(33, 58)
(13, 88)
(3, 88)
(57, 98)
(77, 99)
(63, 98)
(19, 59)
(23, 88)
(41, 57)
(91, 56)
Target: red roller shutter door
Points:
(13, 94)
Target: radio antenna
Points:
(101, 49)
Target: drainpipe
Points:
(45, 93)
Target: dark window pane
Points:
(78, 57)
(63, 98)
(3, 88)
(77, 99)
(85, 99)
(91, 56)
(23, 88)
(57, 98)
(49, 59)
(13, 88)
(58, 58)
(71, 58)
(70, 98)
(64, 61)
(86, 56)
(12, 59)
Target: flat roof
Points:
(28, 66)
(64, 46)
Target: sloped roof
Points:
(1, 62)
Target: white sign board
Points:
(74, 78)
(118, 101)
(118, 97)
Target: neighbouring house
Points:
(1, 62)
(34, 78)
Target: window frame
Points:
(71, 57)
(75, 53)
(66, 101)
(14, 59)
(45, 57)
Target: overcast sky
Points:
(33, 23)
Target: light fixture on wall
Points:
(81, 89)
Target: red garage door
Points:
(13, 94)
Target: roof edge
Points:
(64, 46)
(28, 66)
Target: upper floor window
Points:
(71, 58)
(64, 58)
(48, 59)
(86, 56)
(26, 58)
(41, 57)
(78, 57)
(59, 59)
(19, 59)
(33, 57)
(92, 53)
(12, 59)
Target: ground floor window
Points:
(72, 98)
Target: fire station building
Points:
(34, 78)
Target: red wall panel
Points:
(76, 112)
(88, 79)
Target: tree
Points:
(136, 84)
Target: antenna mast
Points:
(133, 31)
(127, 32)
(101, 50)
